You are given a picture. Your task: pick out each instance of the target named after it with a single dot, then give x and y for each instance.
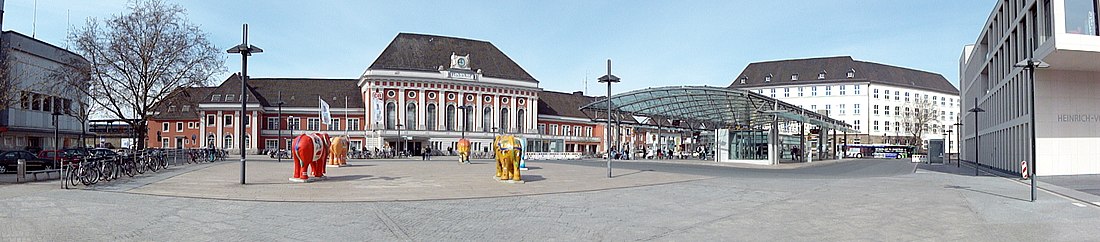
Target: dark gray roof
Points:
(187, 96)
(569, 105)
(421, 52)
(836, 71)
(296, 92)
(563, 104)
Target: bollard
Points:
(21, 170)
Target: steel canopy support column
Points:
(844, 149)
(773, 141)
(801, 141)
(832, 147)
(820, 142)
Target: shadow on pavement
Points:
(631, 173)
(348, 177)
(531, 178)
(984, 192)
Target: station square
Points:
(832, 147)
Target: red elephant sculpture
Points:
(310, 151)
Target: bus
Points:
(878, 151)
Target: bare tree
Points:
(71, 79)
(8, 91)
(919, 117)
(140, 57)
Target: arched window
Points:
(450, 117)
(520, 118)
(410, 116)
(210, 139)
(468, 114)
(247, 142)
(504, 125)
(487, 119)
(391, 115)
(430, 116)
(228, 142)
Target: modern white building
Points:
(880, 101)
(31, 97)
(1062, 33)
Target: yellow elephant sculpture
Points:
(464, 151)
(339, 151)
(507, 149)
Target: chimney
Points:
(579, 93)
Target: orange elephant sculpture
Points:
(309, 152)
(464, 151)
(338, 151)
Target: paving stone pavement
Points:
(925, 205)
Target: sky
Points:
(562, 43)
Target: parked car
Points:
(77, 152)
(101, 152)
(66, 156)
(9, 161)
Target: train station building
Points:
(423, 91)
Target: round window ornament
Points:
(412, 94)
(450, 96)
(391, 93)
(504, 100)
(520, 101)
(470, 97)
(488, 99)
(431, 95)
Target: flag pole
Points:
(346, 121)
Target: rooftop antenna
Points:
(585, 81)
(34, 19)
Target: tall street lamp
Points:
(466, 118)
(245, 50)
(278, 122)
(977, 139)
(400, 139)
(948, 150)
(609, 79)
(57, 147)
(1030, 65)
(291, 128)
(958, 138)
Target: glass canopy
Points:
(713, 107)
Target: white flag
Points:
(326, 116)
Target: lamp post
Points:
(400, 139)
(107, 131)
(1030, 65)
(57, 147)
(977, 139)
(291, 128)
(609, 79)
(245, 50)
(958, 138)
(466, 118)
(278, 122)
(948, 149)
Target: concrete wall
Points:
(1068, 120)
